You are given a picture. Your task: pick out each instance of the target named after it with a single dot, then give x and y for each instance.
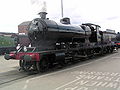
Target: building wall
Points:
(22, 29)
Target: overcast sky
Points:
(106, 13)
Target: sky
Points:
(102, 12)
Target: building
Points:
(109, 35)
(109, 30)
(23, 27)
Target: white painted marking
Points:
(108, 78)
(114, 74)
(82, 82)
(27, 81)
(25, 87)
(112, 85)
(117, 80)
(92, 83)
(66, 84)
(71, 88)
(78, 77)
(101, 84)
(100, 77)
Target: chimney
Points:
(42, 15)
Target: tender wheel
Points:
(101, 52)
(111, 50)
(62, 63)
(92, 55)
(43, 65)
(21, 63)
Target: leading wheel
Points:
(26, 66)
(21, 64)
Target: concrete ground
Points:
(7, 65)
(102, 73)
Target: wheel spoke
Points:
(43, 65)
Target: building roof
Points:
(25, 23)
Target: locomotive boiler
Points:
(45, 33)
(59, 43)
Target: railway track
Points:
(12, 76)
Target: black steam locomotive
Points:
(56, 43)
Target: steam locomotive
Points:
(57, 43)
(7, 43)
(118, 39)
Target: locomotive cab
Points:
(95, 33)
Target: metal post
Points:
(62, 8)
